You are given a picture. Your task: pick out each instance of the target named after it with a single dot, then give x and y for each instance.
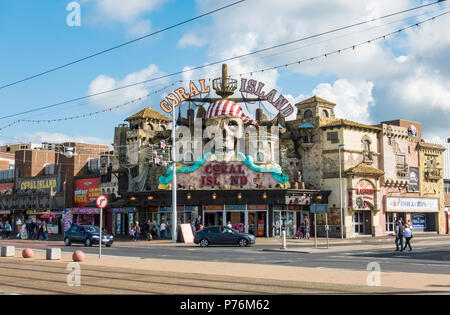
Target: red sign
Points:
(102, 201)
(6, 188)
(86, 191)
(232, 174)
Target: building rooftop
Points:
(315, 99)
(348, 123)
(149, 113)
(364, 169)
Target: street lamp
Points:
(340, 189)
(174, 180)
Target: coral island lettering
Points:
(253, 87)
(180, 95)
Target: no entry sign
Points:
(102, 201)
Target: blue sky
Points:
(404, 77)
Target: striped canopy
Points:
(228, 108)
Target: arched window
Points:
(325, 113)
(307, 114)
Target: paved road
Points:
(40, 277)
(423, 259)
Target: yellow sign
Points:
(38, 184)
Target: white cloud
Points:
(435, 139)
(126, 11)
(390, 65)
(424, 88)
(191, 39)
(139, 28)
(105, 83)
(353, 99)
(130, 13)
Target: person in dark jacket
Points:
(399, 232)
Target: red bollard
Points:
(78, 256)
(27, 253)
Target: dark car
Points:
(87, 235)
(222, 235)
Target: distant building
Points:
(42, 182)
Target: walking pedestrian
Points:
(131, 231)
(137, 231)
(162, 230)
(154, 230)
(44, 230)
(1, 230)
(40, 232)
(408, 236)
(399, 232)
(229, 225)
(198, 223)
(8, 229)
(307, 228)
(148, 226)
(32, 230)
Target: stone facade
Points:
(431, 180)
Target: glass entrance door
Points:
(358, 222)
(257, 223)
(390, 223)
(286, 218)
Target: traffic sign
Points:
(318, 208)
(102, 201)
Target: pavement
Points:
(269, 244)
(122, 275)
(153, 274)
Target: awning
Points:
(306, 125)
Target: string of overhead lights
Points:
(352, 47)
(109, 109)
(324, 55)
(224, 60)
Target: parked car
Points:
(87, 235)
(222, 235)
